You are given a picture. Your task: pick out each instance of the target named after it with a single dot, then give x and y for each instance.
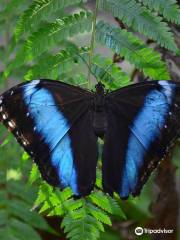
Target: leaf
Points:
(169, 9)
(141, 20)
(38, 11)
(106, 203)
(99, 214)
(109, 73)
(51, 66)
(133, 49)
(34, 174)
(50, 35)
(23, 231)
(81, 226)
(21, 210)
(53, 33)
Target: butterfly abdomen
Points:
(100, 123)
(99, 114)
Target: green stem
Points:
(92, 42)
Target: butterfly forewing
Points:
(57, 124)
(143, 124)
(43, 116)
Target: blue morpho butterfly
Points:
(59, 124)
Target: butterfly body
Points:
(99, 111)
(59, 124)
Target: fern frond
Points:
(106, 203)
(80, 224)
(169, 9)
(49, 36)
(39, 10)
(53, 33)
(15, 218)
(34, 174)
(109, 73)
(52, 67)
(133, 49)
(13, 7)
(99, 214)
(141, 20)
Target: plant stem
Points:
(92, 42)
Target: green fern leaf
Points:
(106, 203)
(169, 9)
(12, 7)
(44, 192)
(50, 35)
(51, 67)
(53, 33)
(133, 49)
(141, 20)
(81, 225)
(110, 74)
(39, 10)
(34, 174)
(16, 219)
(72, 204)
(99, 179)
(99, 214)
(23, 231)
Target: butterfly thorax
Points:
(99, 113)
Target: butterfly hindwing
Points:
(143, 124)
(55, 123)
(43, 116)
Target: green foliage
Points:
(50, 35)
(17, 220)
(109, 73)
(40, 10)
(49, 40)
(141, 20)
(56, 65)
(83, 218)
(169, 9)
(133, 49)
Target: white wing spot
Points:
(4, 116)
(35, 82)
(11, 124)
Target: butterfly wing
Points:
(143, 124)
(48, 120)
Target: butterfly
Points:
(59, 124)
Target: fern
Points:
(133, 49)
(50, 35)
(45, 49)
(106, 203)
(169, 9)
(14, 7)
(39, 10)
(56, 65)
(141, 20)
(110, 74)
(83, 218)
(16, 220)
(55, 32)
